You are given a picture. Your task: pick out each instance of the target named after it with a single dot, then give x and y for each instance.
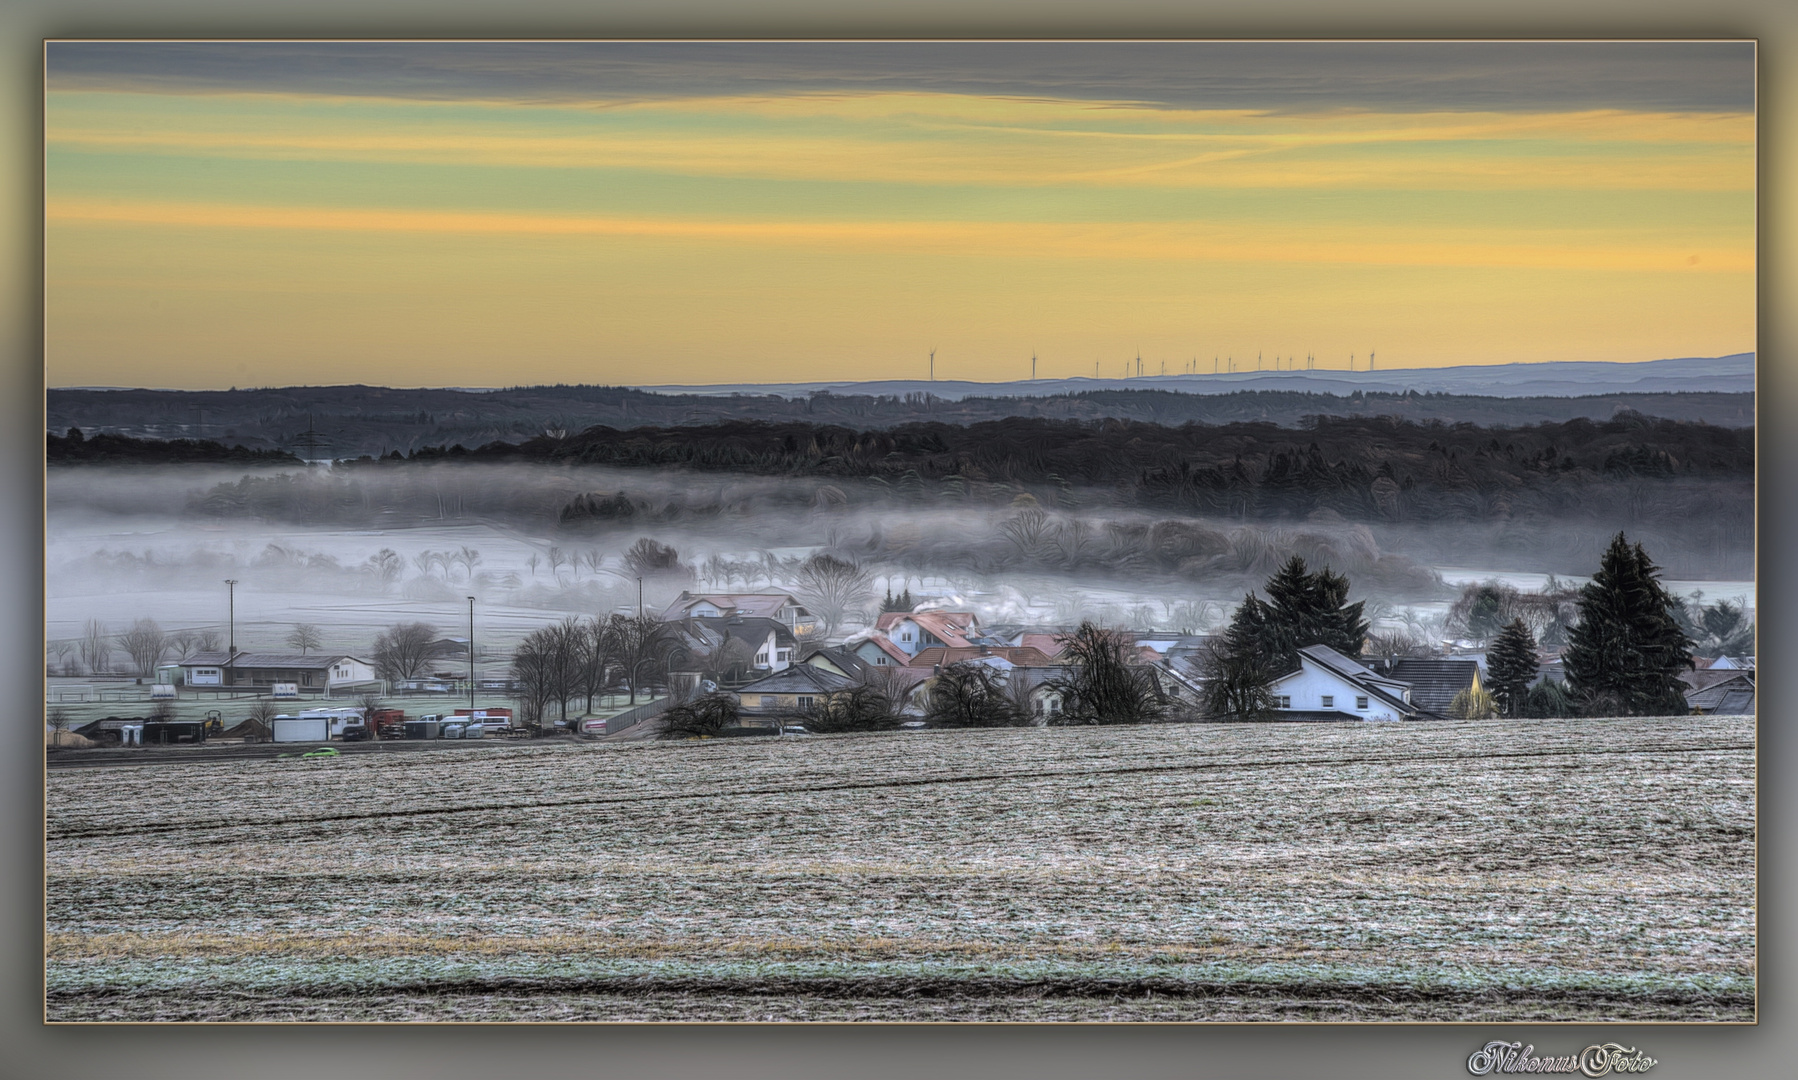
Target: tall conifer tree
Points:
(1625, 656)
(1511, 666)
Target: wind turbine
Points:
(1370, 356)
(933, 363)
(1032, 365)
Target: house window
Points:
(768, 701)
(1329, 701)
(881, 660)
(784, 654)
(1361, 703)
(806, 701)
(1285, 702)
(905, 636)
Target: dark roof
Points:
(1704, 678)
(751, 627)
(1434, 683)
(278, 661)
(799, 679)
(110, 723)
(840, 656)
(1733, 697)
(1312, 716)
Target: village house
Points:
(1434, 682)
(898, 636)
(1330, 686)
(783, 608)
(798, 689)
(320, 673)
(1732, 695)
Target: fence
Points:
(639, 714)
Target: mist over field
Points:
(354, 549)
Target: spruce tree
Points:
(1625, 656)
(1511, 666)
(1307, 609)
(1236, 673)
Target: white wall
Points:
(1308, 686)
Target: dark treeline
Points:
(75, 448)
(349, 421)
(1373, 469)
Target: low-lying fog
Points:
(354, 550)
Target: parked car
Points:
(355, 733)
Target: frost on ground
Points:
(1533, 870)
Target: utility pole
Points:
(639, 597)
(1033, 366)
(471, 656)
(231, 609)
(933, 363)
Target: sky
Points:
(496, 214)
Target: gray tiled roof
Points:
(799, 679)
(1434, 683)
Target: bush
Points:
(1546, 700)
(702, 716)
(1473, 704)
(864, 708)
(972, 695)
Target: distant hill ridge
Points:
(349, 421)
(1558, 378)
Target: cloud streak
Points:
(1280, 75)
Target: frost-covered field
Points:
(1597, 869)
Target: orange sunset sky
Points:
(487, 215)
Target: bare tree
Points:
(534, 562)
(1103, 685)
(303, 636)
(402, 651)
(832, 587)
(208, 641)
(385, 566)
(972, 695)
(702, 716)
(469, 558)
(145, 643)
(58, 719)
(648, 559)
(96, 647)
(599, 656)
(533, 678)
(643, 646)
(181, 642)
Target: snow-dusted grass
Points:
(1585, 869)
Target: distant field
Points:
(1541, 870)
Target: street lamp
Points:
(471, 656)
(231, 657)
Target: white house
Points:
(1329, 685)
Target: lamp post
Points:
(231, 656)
(471, 656)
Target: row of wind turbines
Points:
(1220, 365)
